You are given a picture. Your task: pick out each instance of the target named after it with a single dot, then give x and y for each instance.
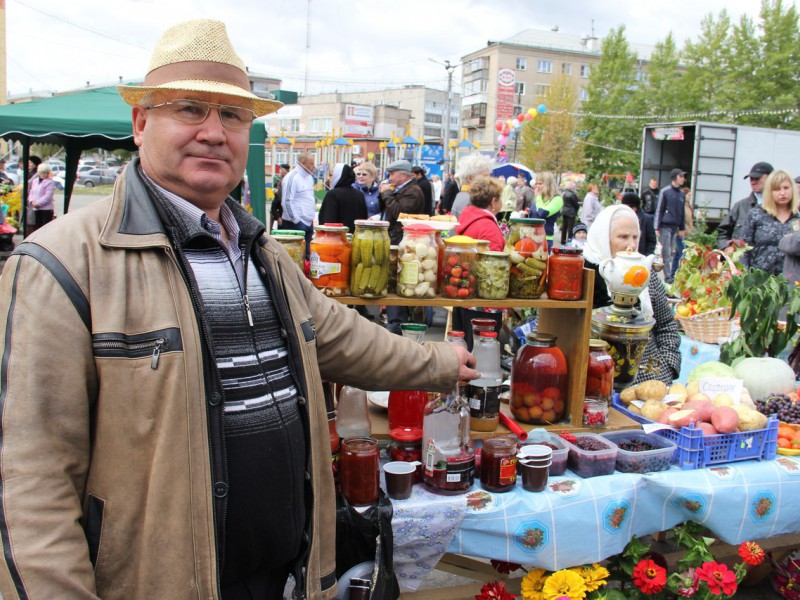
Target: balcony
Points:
(474, 122)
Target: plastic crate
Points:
(695, 451)
(646, 461)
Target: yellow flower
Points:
(564, 583)
(594, 577)
(532, 584)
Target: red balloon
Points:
(520, 117)
(499, 126)
(528, 116)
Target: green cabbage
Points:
(712, 369)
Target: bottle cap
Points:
(488, 334)
(456, 333)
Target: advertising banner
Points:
(506, 83)
(358, 120)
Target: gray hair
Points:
(473, 166)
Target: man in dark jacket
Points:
(647, 233)
(425, 186)
(568, 212)
(650, 198)
(449, 193)
(276, 206)
(343, 203)
(731, 227)
(670, 218)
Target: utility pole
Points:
(446, 138)
(308, 46)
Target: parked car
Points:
(59, 181)
(97, 177)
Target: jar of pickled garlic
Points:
(527, 248)
(491, 272)
(565, 274)
(417, 261)
(369, 259)
(330, 259)
(460, 254)
(294, 242)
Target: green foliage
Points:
(661, 94)
(760, 298)
(699, 234)
(612, 145)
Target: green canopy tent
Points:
(99, 119)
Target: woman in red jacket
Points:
(478, 220)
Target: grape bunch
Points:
(780, 405)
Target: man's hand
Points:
(682, 233)
(466, 364)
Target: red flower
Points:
(504, 567)
(649, 577)
(751, 553)
(495, 590)
(719, 578)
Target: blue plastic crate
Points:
(695, 451)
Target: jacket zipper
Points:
(157, 344)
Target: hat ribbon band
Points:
(197, 69)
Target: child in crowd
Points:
(578, 236)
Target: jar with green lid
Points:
(527, 248)
(294, 242)
(460, 255)
(492, 272)
(369, 259)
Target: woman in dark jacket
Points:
(343, 203)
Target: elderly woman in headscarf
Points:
(616, 229)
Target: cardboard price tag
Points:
(714, 386)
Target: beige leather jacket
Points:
(107, 480)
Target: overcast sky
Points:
(57, 45)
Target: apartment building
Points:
(507, 77)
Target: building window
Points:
(545, 66)
(519, 88)
(313, 125)
(540, 89)
(289, 124)
(584, 70)
(566, 68)
(522, 63)
(478, 86)
(432, 132)
(433, 118)
(583, 94)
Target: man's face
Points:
(397, 178)
(757, 183)
(653, 183)
(199, 162)
(680, 180)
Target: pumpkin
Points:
(765, 376)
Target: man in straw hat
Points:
(178, 446)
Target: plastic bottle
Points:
(483, 394)
(352, 419)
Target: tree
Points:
(549, 141)
(612, 145)
(659, 89)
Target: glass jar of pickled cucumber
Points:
(460, 254)
(369, 259)
(294, 242)
(527, 249)
(330, 259)
(491, 272)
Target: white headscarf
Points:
(337, 174)
(598, 245)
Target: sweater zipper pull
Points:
(247, 308)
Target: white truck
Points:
(717, 159)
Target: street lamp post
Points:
(446, 138)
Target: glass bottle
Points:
(456, 338)
(565, 274)
(539, 381)
(330, 260)
(527, 248)
(406, 409)
(483, 394)
(360, 475)
(499, 464)
(352, 419)
(417, 264)
(369, 259)
(448, 455)
(460, 253)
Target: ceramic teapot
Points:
(628, 273)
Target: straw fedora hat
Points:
(197, 56)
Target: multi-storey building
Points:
(505, 78)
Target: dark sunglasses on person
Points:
(195, 112)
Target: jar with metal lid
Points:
(527, 248)
(406, 446)
(600, 372)
(460, 253)
(539, 380)
(369, 259)
(595, 412)
(294, 242)
(482, 245)
(499, 464)
(391, 287)
(417, 262)
(330, 259)
(491, 272)
(565, 274)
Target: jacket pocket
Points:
(93, 526)
(151, 343)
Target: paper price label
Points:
(714, 386)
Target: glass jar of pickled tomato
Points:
(330, 259)
(527, 249)
(460, 254)
(539, 381)
(600, 372)
(565, 274)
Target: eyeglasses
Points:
(362, 174)
(195, 112)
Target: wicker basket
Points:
(709, 326)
